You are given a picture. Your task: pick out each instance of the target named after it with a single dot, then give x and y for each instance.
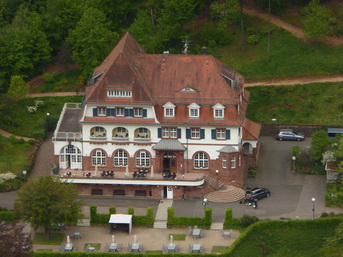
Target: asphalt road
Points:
(291, 193)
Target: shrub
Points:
(295, 150)
(253, 39)
(228, 218)
(252, 171)
(248, 220)
(7, 215)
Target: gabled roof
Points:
(251, 130)
(162, 78)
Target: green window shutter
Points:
(188, 133)
(178, 133)
(214, 134)
(228, 134)
(95, 112)
(202, 133)
(145, 112)
(159, 132)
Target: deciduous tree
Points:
(319, 143)
(18, 88)
(316, 21)
(91, 40)
(48, 201)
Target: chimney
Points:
(204, 50)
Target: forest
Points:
(37, 32)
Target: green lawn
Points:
(178, 237)
(286, 241)
(289, 57)
(55, 239)
(307, 104)
(14, 155)
(16, 119)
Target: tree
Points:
(319, 143)
(91, 40)
(18, 88)
(316, 21)
(228, 12)
(48, 201)
(14, 241)
(142, 29)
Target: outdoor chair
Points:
(189, 231)
(164, 248)
(190, 248)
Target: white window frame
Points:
(218, 111)
(102, 111)
(220, 133)
(143, 159)
(99, 158)
(120, 111)
(169, 110)
(224, 162)
(119, 93)
(233, 162)
(137, 112)
(194, 110)
(201, 160)
(169, 132)
(120, 158)
(195, 133)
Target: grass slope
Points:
(289, 57)
(307, 104)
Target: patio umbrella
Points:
(135, 239)
(171, 239)
(152, 171)
(68, 241)
(96, 170)
(113, 240)
(127, 171)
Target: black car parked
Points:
(256, 193)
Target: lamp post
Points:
(204, 202)
(294, 158)
(313, 208)
(24, 174)
(217, 172)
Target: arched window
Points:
(120, 158)
(201, 160)
(98, 132)
(99, 158)
(143, 159)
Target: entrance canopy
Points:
(121, 222)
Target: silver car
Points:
(288, 134)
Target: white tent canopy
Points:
(121, 221)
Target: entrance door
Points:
(169, 163)
(70, 157)
(168, 192)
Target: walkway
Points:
(295, 31)
(162, 213)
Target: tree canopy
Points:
(91, 40)
(48, 201)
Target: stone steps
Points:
(214, 182)
(217, 226)
(160, 224)
(84, 223)
(228, 195)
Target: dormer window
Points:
(218, 111)
(194, 110)
(169, 110)
(120, 111)
(119, 93)
(101, 111)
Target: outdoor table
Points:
(113, 247)
(171, 247)
(68, 248)
(91, 249)
(196, 248)
(226, 234)
(77, 235)
(196, 232)
(135, 247)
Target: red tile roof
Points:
(156, 79)
(251, 130)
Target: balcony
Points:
(119, 178)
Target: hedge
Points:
(7, 215)
(142, 220)
(82, 254)
(204, 222)
(228, 218)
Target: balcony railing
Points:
(67, 136)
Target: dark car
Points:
(288, 134)
(256, 193)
